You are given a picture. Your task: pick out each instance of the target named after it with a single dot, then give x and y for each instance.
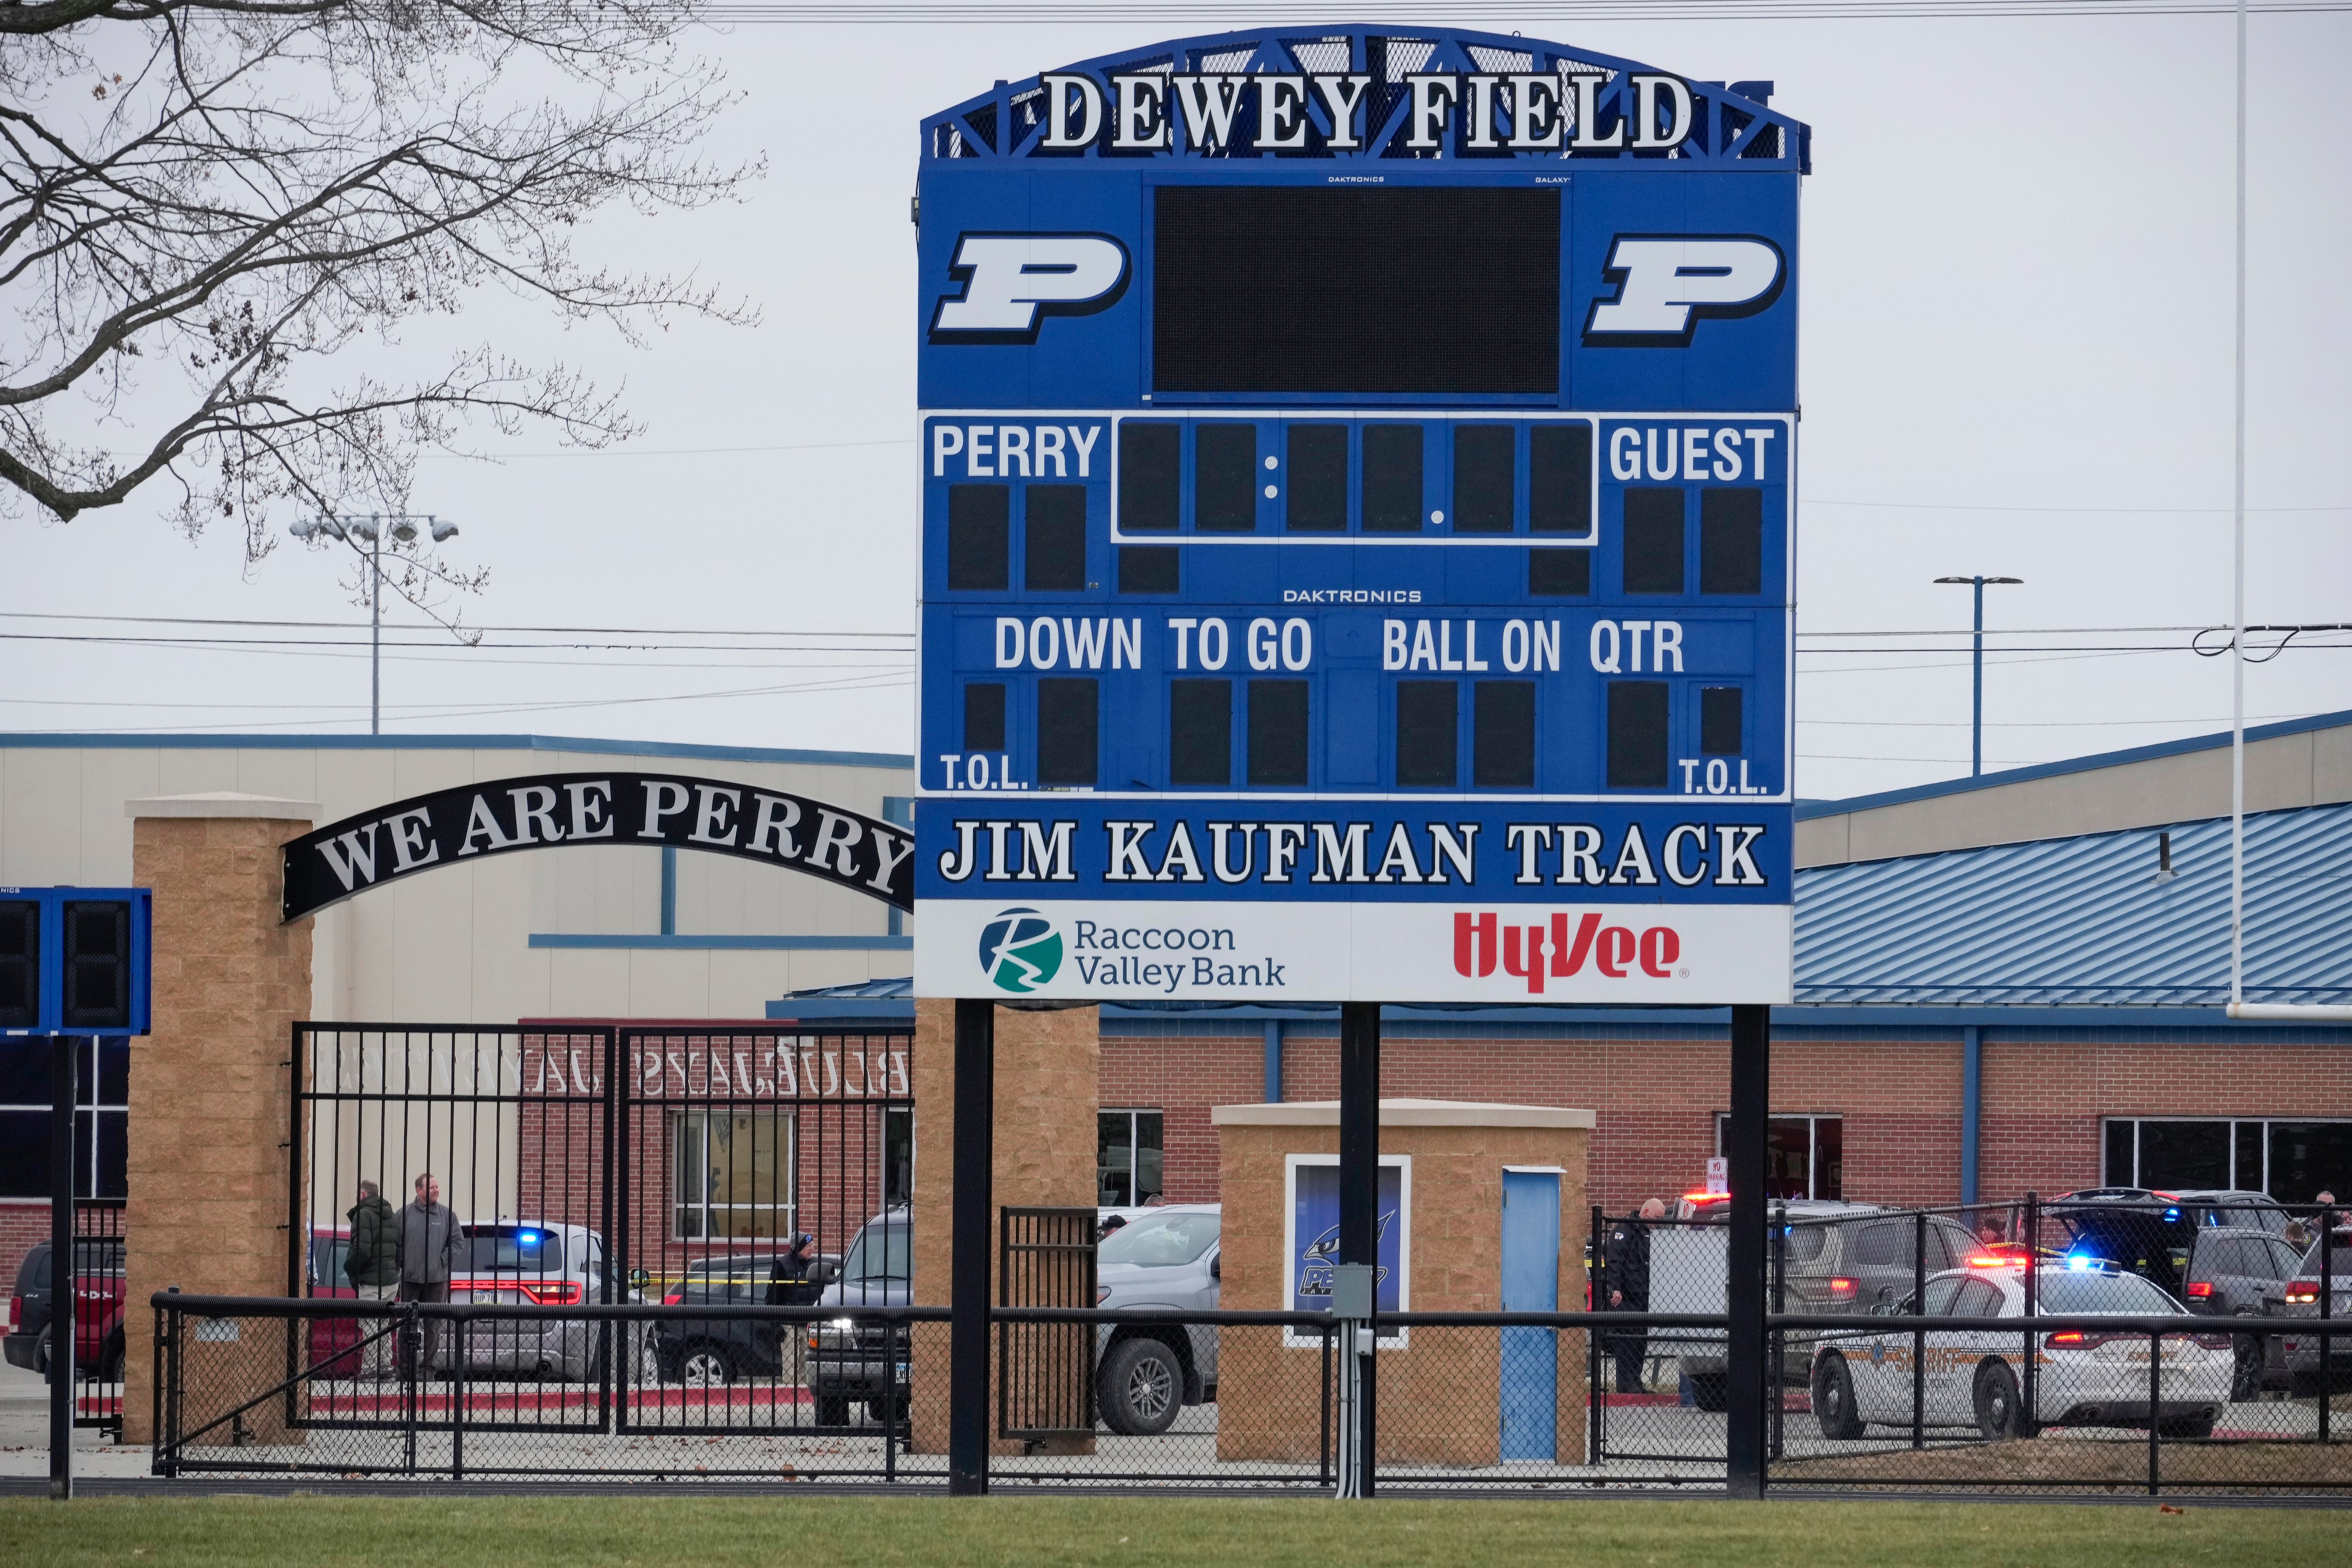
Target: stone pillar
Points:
(209, 1096)
(1047, 1090)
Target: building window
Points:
(1126, 1158)
(898, 1155)
(1804, 1156)
(2293, 1161)
(102, 1088)
(734, 1173)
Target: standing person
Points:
(432, 1245)
(1625, 1274)
(788, 1282)
(372, 1266)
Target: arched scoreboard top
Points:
(1232, 77)
(1357, 485)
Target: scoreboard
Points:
(1357, 478)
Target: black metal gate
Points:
(584, 1164)
(1045, 1371)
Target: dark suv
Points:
(853, 1359)
(721, 1350)
(98, 1347)
(2235, 1273)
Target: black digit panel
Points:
(1151, 459)
(983, 716)
(1503, 734)
(20, 964)
(1148, 568)
(1225, 478)
(1428, 727)
(1278, 732)
(1392, 478)
(1653, 541)
(1720, 721)
(1318, 481)
(1637, 735)
(1068, 723)
(980, 538)
(1053, 544)
(1560, 572)
(1731, 541)
(1560, 478)
(96, 965)
(1201, 732)
(1486, 475)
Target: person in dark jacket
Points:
(789, 1283)
(433, 1246)
(1626, 1283)
(372, 1266)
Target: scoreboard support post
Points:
(1748, 1382)
(968, 1357)
(1359, 1174)
(65, 1300)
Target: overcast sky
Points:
(2016, 338)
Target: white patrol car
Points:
(535, 1263)
(2080, 1378)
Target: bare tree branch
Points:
(203, 202)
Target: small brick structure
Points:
(205, 1207)
(1440, 1396)
(1047, 1067)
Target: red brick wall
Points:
(1655, 1100)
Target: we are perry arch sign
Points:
(1357, 472)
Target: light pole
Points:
(1976, 662)
(371, 528)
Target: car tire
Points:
(1998, 1408)
(110, 1366)
(41, 1354)
(2246, 1356)
(1707, 1391)
(1834, 1400)
(832, 1410)
(1141, 1388)
(2188, 1429)
(703, 1364)
(888, 1411)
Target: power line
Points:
(1423, 11)
(2127, 510)
(403, 626)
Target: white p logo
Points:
(1010, 281)
(1666, 282)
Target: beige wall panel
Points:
(588, 983)
(187, 770)
(667, 983)
(603, 890)
(2331, 766)
(45, 808)
(109, 778)
(1822, 841)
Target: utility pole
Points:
(1976, 663)
(370, 529)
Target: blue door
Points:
(1530, 1284)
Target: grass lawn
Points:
(677, 1530)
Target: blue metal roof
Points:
(226, 741)
(2086, 922)
(2062, 922)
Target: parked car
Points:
(98, 1312)
(2295, 1361)
(532, 1263)
(711, 1350)
(2231, 1273)
(1836, 1258)
(852, 1360)
(1168, 1259)
(1973, 1378)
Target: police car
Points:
(2082, 1378)
(535, 1264)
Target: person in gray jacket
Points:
(431, 1246)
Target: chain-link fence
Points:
(2081, 1344)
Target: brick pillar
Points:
(1048, 1077)
(209, 1103)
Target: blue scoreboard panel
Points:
(1358, 499)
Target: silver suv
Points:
(1165, 1258)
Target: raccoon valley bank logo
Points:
(1537, 953)
(1020, 951)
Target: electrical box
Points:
(1352, 1290)
(74, 960)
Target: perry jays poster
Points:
(1311, 1239)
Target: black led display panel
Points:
(1290, 288)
